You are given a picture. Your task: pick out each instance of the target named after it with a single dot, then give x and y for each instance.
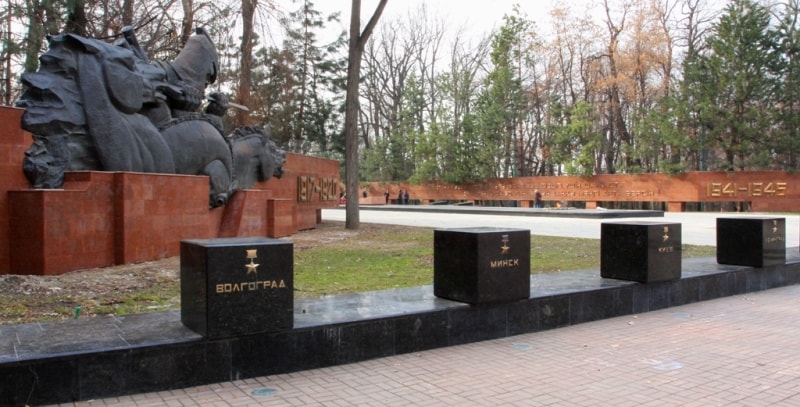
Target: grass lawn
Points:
(375, 260)
(327, 260)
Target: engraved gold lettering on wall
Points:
(305, 188)
(756, 189)
(327, 189)
(766, 190)
(573, 190)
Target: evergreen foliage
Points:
(631, 87)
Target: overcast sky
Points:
(479, 16)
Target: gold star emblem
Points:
(774, 226)
(504, 248)
(252, 267)
(666, 233)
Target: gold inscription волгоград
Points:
(226, 288)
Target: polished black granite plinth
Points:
(751, 241)
(481, 265)
(61, 362)
(646, 252)
(237, 286)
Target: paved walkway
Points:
(735, 351)
(696, 228)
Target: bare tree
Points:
(356, 49)
(617, 129)
(187, 27)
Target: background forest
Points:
(621, 87)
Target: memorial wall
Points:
(764, 191)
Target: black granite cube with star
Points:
(482, 265)
(751, 241)
(646, 252)
(237, 286)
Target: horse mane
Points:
(245, 132)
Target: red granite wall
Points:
(768, 191)
(154, 212)
(311, 182)
(45, 241)
(13, 143)
(284, 213)
(103, 218)
(246, 214)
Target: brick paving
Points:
(734, 351)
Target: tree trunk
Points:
(246, 61)
(299, 130)
(76, 18)
(188, 20)
(356, 49)
(35, 36)
(127, 13)
(6, 58)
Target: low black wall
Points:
(109, 356)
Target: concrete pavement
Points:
(696, 228)
(735, 351)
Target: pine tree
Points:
(734, 84)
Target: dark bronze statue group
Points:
(94, 105)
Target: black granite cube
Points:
(751, 241)
(482, 265)
(237, 286)
(646, 252)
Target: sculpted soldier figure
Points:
(99, 106)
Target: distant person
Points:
(537, 199)
(400, 197)
(405, 198)
(364, 194)
(386, 196)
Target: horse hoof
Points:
(219, 200)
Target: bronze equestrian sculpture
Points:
(99, 106)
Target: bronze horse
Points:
(256, 158)
(99, 106)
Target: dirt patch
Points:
(25, 298)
